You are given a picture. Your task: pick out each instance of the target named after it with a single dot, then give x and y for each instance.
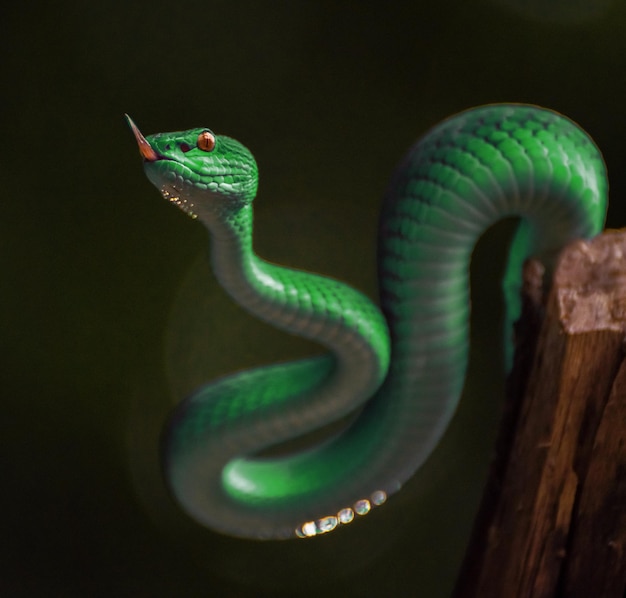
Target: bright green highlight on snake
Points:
(402, 365)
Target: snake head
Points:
(199, 171)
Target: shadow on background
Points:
(104, 281)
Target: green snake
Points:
(401, 367)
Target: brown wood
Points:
(553, 518)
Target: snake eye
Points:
(206, 141)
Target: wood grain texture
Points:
(553, 521)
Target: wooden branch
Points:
(553, 518)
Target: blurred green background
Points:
(109, 313)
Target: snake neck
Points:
(232, 256)
(304, 304)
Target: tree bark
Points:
(553, 518)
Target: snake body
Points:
(404, 364)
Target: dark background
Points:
(104, 282)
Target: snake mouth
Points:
(145, 149)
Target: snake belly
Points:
(403, 365)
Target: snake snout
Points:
(145, 149)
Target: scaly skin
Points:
(407, 367)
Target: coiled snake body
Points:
(407, 367)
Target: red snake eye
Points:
(206, 141)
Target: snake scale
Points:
(403, 365)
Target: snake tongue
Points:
(145, 149)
